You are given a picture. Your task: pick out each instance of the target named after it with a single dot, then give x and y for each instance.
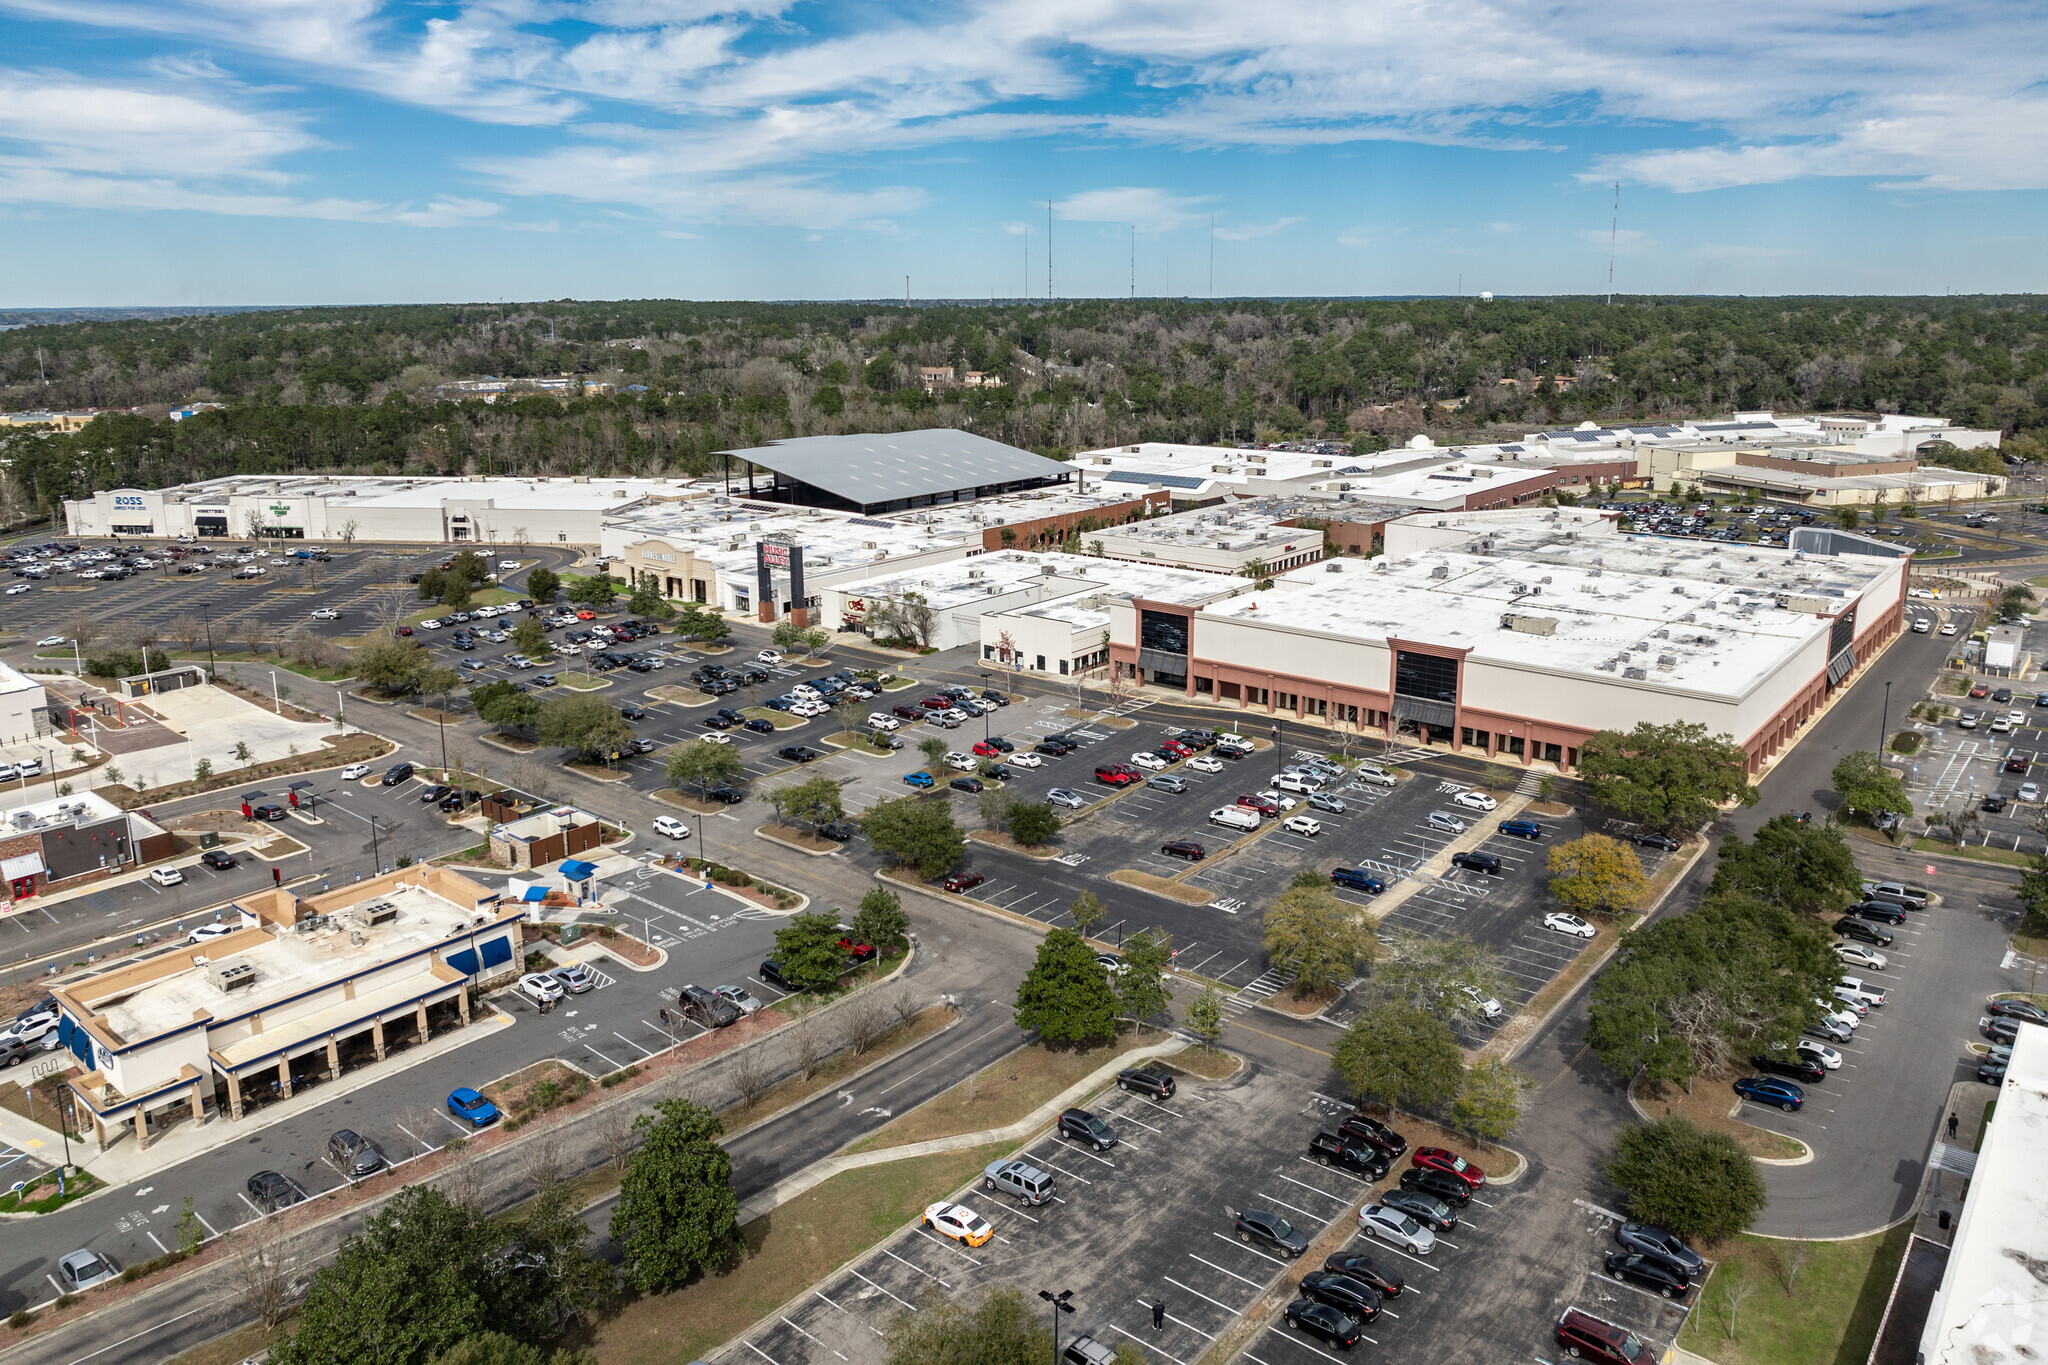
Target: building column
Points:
(420, 1014)
(141, 1127)
(284, 1077)
(99, 1131)
(234, 1095)
(198, 1104)
(333, 1059)
(462, 1003)
(377, 1037)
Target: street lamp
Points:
(1059, 1305)
(376, 857)
(986, 707)
(1886, 728)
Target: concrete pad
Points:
(215, 721)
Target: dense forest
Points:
(355, 389)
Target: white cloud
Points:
(1250, 231)
(1503, 227)
(1017, 229)
(1359, 237)
(675, 236)
(1148, 210)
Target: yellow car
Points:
(959, 1222)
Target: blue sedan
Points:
(472, 1108)
(1771, 1090)
(920, 779)
(1358, 879)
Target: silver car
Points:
(576, 978)
(1060, 796)
(82, 1270)
(738, 997)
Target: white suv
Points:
(960, 761)
(878, 721)
(672, 827)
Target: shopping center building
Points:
(1518, 634)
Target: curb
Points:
(760, 832)
(1644, 1115)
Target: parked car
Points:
(1373, 1131)
(1062, 796)
(576, 978)
(82, 1270)
(964, 881)
(1488, 864)
(1146, 1080)
(1657, 841)
(471, 1108)
(1368, 1270)
(1851, 926)
(705, 1008)
(1652, 1272)
(1021, 1180)
(1448, 1161)
(1396, 1228)
(1426, 1209)
(1078, 1125)
(397, 773)
(1324, 1321)
(355, 772)
(2018, 1009)
(166, 876)
(1655, 1241)
(739, 997)
(1183, 848)
(541, 988)
(1770, 1090)
(217, 859)
(1258, 1226)
(1445, 821)
(1358, 879)
(1584, 1336)
(1437, 1184)
(354, 1155)
(1562, 923)
(1798, 1067)
(1474, 800)
(920, 779)
(1349, 1154)
(771, 972)
(1521, 829)
(971, 785)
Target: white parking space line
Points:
(1200, 1295)
(1285, 1205)
(1390, 1249)
(914, 1266)
(1150, 1347)
(1316, 1350)
(866, 1281)
(250, 1202)
(1221, 1271)
(1340, 1198)
(1249, 1251)
(761, 1353)
(1341, 1175)
(947, 1245)
(1047, 1163)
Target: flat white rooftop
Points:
(287, 963)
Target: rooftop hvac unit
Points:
(974, 573)
(1048, 570)
(231, 976)
(992, 589)
(1664, 572)
(1667, 661)
(1637, 674)
(1440, 571)
(1529, 625)
(1333, 567)
(867, 545)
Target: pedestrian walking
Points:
(1951, 1127)
(1159, 1315)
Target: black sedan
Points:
(217, 860)
(1321, 1320)
(1353, 1298)
(272, 1192)
(1146, 1080)
(729, 795)
(1364, 1268)
(1651, 1272)
(965, 784)
(1647, 1237)
(434, 793)
(1426, 1209)
(759, 725)
(718, 722)
(1662, 841)
(632, 712)
(1437, 1184)
(1799, 1068)
(2018, 1009)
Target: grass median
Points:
(1830, 1312)
(1001, 1093)
(794, 1246)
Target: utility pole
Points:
(206, 612)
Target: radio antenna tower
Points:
(1048, 251)
(1134, 263)
(1613, 227)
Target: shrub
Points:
(20, 1319)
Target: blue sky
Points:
(267, 151)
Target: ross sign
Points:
(126, 501)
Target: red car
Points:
(859, 952)
(937, 703)
(986, 749)
(1176, 748)
(1448, 1161)
(963, 881)
(1116, 775)
(586, 615)
(405, 630)
(1981, 690)
(1261, 804)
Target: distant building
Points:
(70, 841)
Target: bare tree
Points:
(258, 634)
(535, 779)
(349, 529)
(809, 1041)
(749, 1075)
(615, 1132)
(187, 629)
(520, 535)
(1701, 1021)
(1792, 1260)
(861, 1021)
(905, 1004)
(541, 1162)
(392, 605)
(463, 1181)
(84, 627)
(1738, 1294)
(259, 1274)
(417, 1122)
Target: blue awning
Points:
(534, 893)
(576, 870)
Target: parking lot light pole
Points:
(1059, 1305)
(1886, 728)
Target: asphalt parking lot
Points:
(1152, 1220)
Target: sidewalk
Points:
(126, 1162)
(818, 1172)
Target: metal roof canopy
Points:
(871, 470)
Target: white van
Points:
(1235, 817)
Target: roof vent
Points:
(1635, 673)
(1667, 661)
(1440, 571)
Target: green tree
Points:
(696, 622)
(1594, 874)
(547, 1272)
(994, 802)
(1866, 786)
(881, 920)
(597, 592)
(1203, 1017)
(393, 666)
(787, 635)
(589, 725)
(701, 764)
(1666, 776)
(919, 833)
(934, 750)
(1847, 518)
(432, 584)
(1402, 1056)
(505, 706)
(816, 802)
(1697, 1183)
(1033, 823)
(647, 600)
(677, 1213)
(1804, 867)
(807, 950)
(1000, 1329)
(1140, 986)
(1448, 976)
(243, 753)
(542, 585)
(1086, 911)
(1315, 937)
(495, 1348)
(530, 639)
(415, 1282)
(1066, 996)
(2032, 893)
(1490, 1100)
